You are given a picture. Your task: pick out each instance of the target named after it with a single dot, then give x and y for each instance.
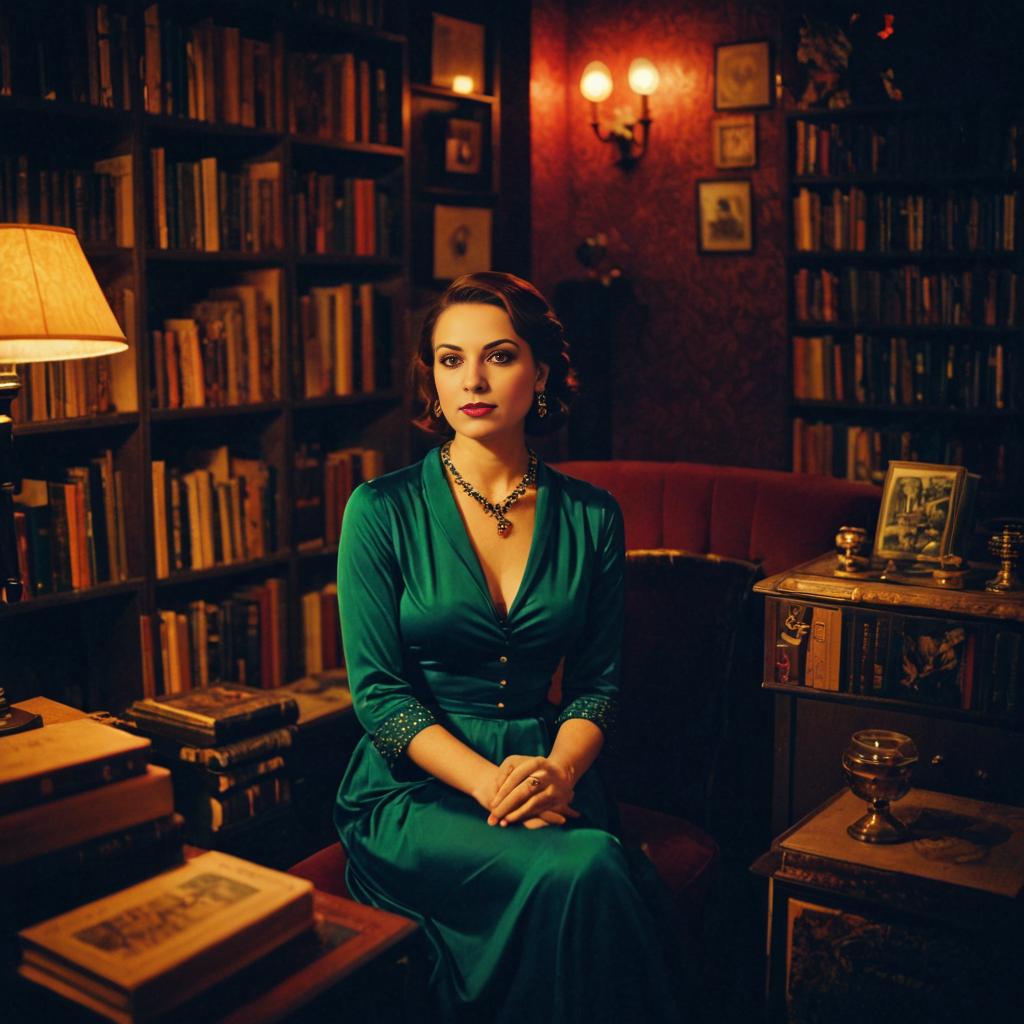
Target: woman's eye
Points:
(449, 361)
(502, 356)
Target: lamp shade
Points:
(51, 305)
(643, 77)
(596, 82)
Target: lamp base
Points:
(879, 825)
(16, 720)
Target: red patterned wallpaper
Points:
(705, 379)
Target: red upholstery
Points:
(685, 857)
(760, 515)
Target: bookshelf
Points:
(942, 666)
(192, 178)
(905, 266)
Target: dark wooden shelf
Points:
(824, 405)
(798, 327)
(44, 602)
(58, 108)
(275, 256)
(171, 123)
(330, 401)
(43, 427)
(440, 92)
(222, 571)
(933, 180)
(208, 412)
(337, 146)
(344, 261)
(849, 256)
(324, 551)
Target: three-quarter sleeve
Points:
(590, 683)
(369, 590)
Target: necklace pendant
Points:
(503, 527)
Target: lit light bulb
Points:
(596, 83)
(462, 84)
(643, 77)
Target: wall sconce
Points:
(596, 86)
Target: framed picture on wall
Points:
(462, 241)
(734, 141)
(457, 49)
(725, 216)
(743, 75)
(463, 146)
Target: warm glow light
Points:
(462, 83)
(643, 77)
(596, 83)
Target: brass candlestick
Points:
(877, 766)
(849, 561)
(1006, 545)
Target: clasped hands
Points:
(532, 791)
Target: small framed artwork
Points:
(462, 241)
(463, 146)
(725, 216)
(457, 50)
(734, 141)
(922, 504)
(743, 75)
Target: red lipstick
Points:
(477, 409)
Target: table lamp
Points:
(51, 309)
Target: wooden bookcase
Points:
(905, 263)
(83, 646)
(942, 666)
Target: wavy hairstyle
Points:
(533, 320)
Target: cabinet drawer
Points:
(966, 758)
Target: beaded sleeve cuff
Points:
(602, 711)
(394, 735)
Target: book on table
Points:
(149, 948)
(214, 715)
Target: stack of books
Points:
(227, 747)
(82, 812)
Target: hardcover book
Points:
(58, 760)
(149, 948)
(215, 715)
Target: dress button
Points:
(503, 659)
(503, 682)
(501, 704)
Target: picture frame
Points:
(725, 216)
(743, 75)
(463, 146)
(462, 240)
(457, 48)
(734, 141)
(922, 512)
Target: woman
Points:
(465, 583)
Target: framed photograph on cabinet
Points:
(725, 216)
(457, 50)
(462, 241)
(734, 141)
(463, 146)
(743, 75)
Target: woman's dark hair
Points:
(533, 320)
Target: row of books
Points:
(239, 639)
(212, 72)
(908, 295)
(344, 331)
(338, 96)
(71, 533)
(225, 350)
(348, 216)
(370, 13)
(219, 512)
(83, 56)
(853, 220)
(196, 204)
(83, 387)
(323, 482)
(951, 663)
(857, 451)
(321, 630)
(979, 141)
(895, 371)
(96, 202)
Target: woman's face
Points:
(484, 372)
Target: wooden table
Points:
(927, 930)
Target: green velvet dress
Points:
(524, 926)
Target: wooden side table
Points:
(927, 930)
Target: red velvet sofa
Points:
(773, 518)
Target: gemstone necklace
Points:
(497, 509)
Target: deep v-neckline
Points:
(446, 508)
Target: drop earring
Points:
(437, 409)
(542, 404)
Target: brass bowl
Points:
(877, 765)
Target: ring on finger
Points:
(533, 782)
